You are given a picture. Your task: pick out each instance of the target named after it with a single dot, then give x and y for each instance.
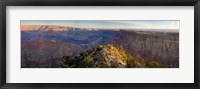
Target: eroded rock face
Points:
(162, 47)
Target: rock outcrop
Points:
(105, 56)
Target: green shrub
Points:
(99, 48)
(153, 64)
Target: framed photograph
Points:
(99, 44)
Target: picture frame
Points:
(3, 53)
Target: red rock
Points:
(43, 27)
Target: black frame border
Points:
(4, 3)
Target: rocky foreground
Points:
(106, 56)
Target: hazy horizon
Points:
(172, 25)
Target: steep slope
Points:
(159, 46)
(105, 56)
(44, 53)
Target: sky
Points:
(109, 24)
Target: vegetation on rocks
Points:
(107, 56)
